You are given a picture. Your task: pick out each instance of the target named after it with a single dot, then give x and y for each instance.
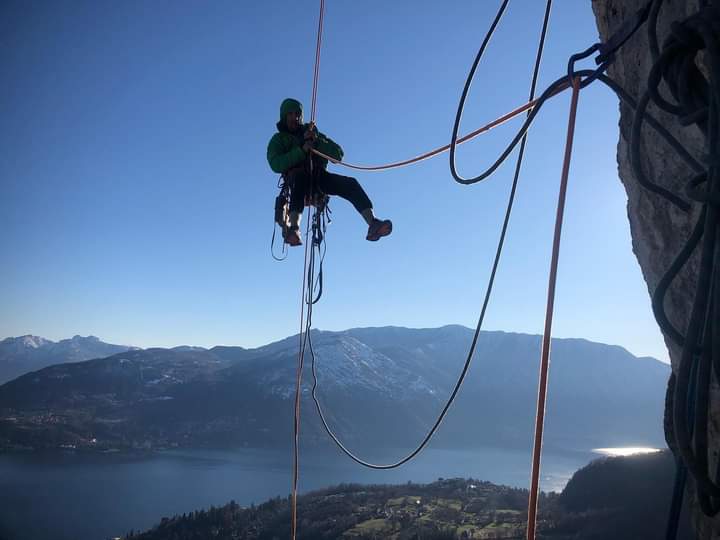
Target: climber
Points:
(289, 153)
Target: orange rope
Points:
(432, 153)
(545, 355)
(301, 353)
(316, 75)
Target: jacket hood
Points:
(287, 106)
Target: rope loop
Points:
(582, 55)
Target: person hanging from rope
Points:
(289, 153)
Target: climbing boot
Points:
(379, 228)
(292, 237)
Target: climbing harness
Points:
(319, 200)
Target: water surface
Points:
(67, 496)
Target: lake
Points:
(73, 496)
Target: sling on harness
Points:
(317, 199)
(319, 221)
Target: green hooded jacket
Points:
(285, 149)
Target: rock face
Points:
(658, 229)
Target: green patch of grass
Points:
(495, 525)
(372, 525)
(449, 503)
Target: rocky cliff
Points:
(658, 229)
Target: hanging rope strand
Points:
(316, 74)
(545, 356)
(298, 392)
(442, 149)
(308, 267)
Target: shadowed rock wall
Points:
(658, 229)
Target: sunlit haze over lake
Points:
(626, 451)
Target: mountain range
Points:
(20, 355)
(380, 388)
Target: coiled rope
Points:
(696, 101)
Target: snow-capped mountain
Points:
(379, 388)
(23, 343)
(19, 355)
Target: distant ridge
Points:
(23, 354)
(380, 388)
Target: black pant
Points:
(331, 184)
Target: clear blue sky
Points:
(137, 202)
